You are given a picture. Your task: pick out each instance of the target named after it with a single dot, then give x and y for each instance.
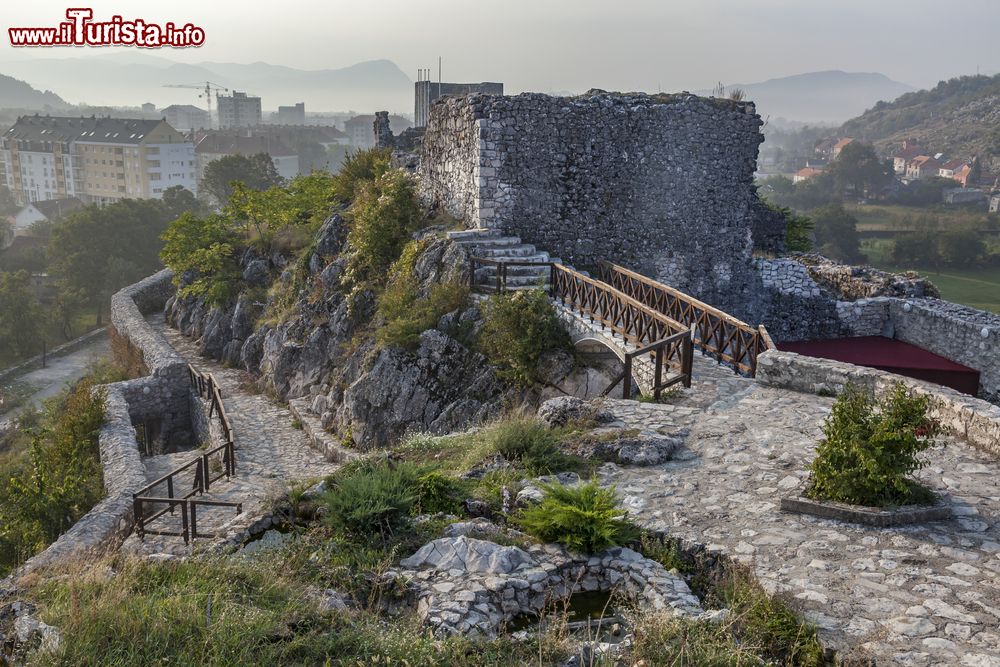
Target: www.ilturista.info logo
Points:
(82, 30)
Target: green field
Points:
(979, 288)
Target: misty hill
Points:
(16, 94)
(132, 79)
(820, 97)
(959, 117)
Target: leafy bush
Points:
(519, 327)
(871, 447)
(437, 492)
(359, 168)
(59, 479)
(405, 312)
(383, 215)
(205, 248)
(798, 230)
(372, 498)
(584, 518)
(528, 442)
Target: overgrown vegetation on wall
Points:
(50, 469)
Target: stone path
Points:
(271, 452)
(919, 595)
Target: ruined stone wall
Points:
(661, 184)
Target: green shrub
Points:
(407, 314)
(359, 168)
(384, 214)
(529, 442)
(205, 247)
(519, 327)
(372, 498)
(437, 492)
(871, 447)
(58, 480)
(584, 518)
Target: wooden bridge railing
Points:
(721, 335)
(666, 341)
(225, 454)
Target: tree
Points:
(96, 251)
(837, 233)
(256, 172)
(7, 204)
(22, 319)
(961, 247)
(859, 168)
(201, 251)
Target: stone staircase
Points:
(489, 244)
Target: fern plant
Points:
(584, 518)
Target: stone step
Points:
(490, 241)
(497, 252)
(472, 234)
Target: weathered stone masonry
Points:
(662, 184)
(163, 394)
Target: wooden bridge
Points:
(651, 327)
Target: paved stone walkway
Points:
(271, 453)
(923, 595)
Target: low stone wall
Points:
(162, 395)
(974, 420)
(160, 399)
(962, 334)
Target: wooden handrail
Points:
(729, 339)
(207, 387)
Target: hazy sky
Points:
(552, 45)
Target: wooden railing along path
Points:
(666, 341)
(719, 334)
(225, 455)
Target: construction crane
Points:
(206, 93)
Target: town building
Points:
(216, 145)
(39, 211)
(294, 115)
(907, 152)
(425, 92)
(806, 173)
(184, 117)
(840, 145)
(238, 110)
(963, 195)
(922, 166)
(98, 159)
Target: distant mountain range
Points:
(828, 97)
(132, 79)
(959, 117)
(15, 94)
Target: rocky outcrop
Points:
(320, 348)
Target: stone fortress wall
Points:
(163, 394)
(662, 184)
(808, 302)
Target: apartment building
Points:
(99, 160)
(238, 110)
